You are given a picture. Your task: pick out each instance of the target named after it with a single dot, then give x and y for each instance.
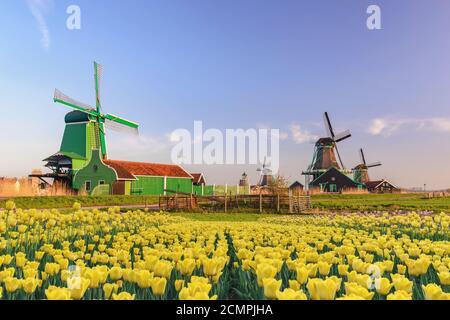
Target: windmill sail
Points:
(119, 127)
(68, 101)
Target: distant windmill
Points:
(324, 156)
(361, 171)
(265, 175)
(95, 114)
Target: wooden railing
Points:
(242, 203)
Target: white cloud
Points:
(388, 125)
(38, 8)
(145, 148)
(300, 136)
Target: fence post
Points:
(278, 203)
(290, 201)
(260, 202)
(226, 199)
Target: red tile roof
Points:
(128, 170)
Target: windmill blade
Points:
(328, 126)
(339, 157)
(342, 136)
(375, 164)
(98, 77)
(122, 121)
(80, 106)
(119, 127)
(363, 159)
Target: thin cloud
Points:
(388, 126)
(300, 135)
(38, 9)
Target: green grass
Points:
(325, 202)
(241, 217)
(370, 202)
(68, 201)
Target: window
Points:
(87, 186)
(101, 182)
(333, 188)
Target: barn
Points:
(381, 186)
(118, 177)
(296, 188)
(334, 180)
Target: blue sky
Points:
(235, 64)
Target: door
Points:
(119, 188)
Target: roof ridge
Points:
(139, 162)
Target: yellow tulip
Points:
(115, 273)
(399, 295)
(302, 275)
(418, 267)
(211, 267)
(179, 284)
(264, 271)
(383, 286)
(343, 269)
(401, 269)
(351, 297)
(163, 269)
(185, 294)
(12, 284)
(353, 288)
(322, 289)
(271, 287)
(109, 289)
(290, 294)
(29, 285)
(434, 292)
(51, 268)
(78, 287)
(324, 268)
(94, 277)
(187, 266)
(294, 285)
(444, 278)
(401, 283)
(123, 296)
(159, 286)
(55, 293)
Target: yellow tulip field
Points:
(81, 254)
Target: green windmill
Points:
(84, 132)
(95, 114)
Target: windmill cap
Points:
(76, 116)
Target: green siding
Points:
(74, 139)
(198, 190)
(95, 171)
(208, 191)
(179, 184)
(148, 185)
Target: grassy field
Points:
(324, 202)
(241, 217)
(370, 202)
(86, 201)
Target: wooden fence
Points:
(237, 203)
